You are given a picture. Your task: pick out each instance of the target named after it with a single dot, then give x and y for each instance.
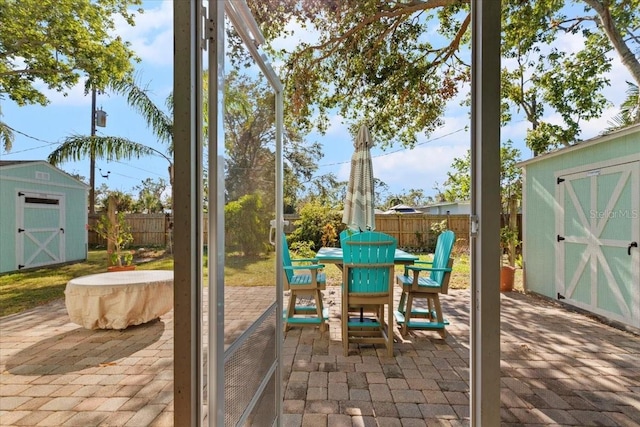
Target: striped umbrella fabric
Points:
(359, 208)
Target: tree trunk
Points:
(111, 215)
(627, 57)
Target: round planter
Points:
(507, 275)
(112, 268)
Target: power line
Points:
(49, 143)
(135, 167)
(31, 137)
(400, 149)
(26, 149)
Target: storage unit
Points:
(581, 225)
(43, 216)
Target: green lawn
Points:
(26, 289)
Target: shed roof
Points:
(18, 163)
(589, 142)
(15, 162)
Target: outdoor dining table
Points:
(328, 255)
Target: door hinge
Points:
(559, 180)
(62, 229)
(209, 29)
(20, 230)
(474, 225)
(20, 266)
(560, 296)
(20, 193)
(559, 238)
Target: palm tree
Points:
(77, 147)
(629, 110)
(6, 134)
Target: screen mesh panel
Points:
(264, 413)
(245, 369)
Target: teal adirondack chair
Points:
(367, 286)
(347, 232)
(304, 280)
(427, 287)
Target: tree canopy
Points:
(397, 64)
(58, 42)
(250, 135)
(458, 184)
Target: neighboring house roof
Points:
(401, 209)
(459, 202)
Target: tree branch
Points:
(400, 10)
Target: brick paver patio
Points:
(558, 368)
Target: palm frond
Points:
(6, 136)
(137, 97)
(78, 147)
(629, 110)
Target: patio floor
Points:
(558, 368)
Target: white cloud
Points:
(337, 126)
(421, 168)
(152, 35)
(74, 96)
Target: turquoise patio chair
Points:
(426, 287)
(367, 286)
(347, 232)
(304, 280)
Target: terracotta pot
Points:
(121, 268)
(507, 275)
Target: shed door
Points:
(40, 229)
(598, 230)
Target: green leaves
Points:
(397, 64)
(58, 42)
(458, 184)
(6, 135)
(78, 147)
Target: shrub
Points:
(313, 225)
(302, 249)
(118, 232)
(247, 222)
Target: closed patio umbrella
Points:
(359, 209)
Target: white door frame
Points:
(593, 257)
(22, 232)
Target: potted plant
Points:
(118, 235)
(508, 243)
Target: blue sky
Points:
(401, 169)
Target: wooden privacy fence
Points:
(147, 229)
(413, 231)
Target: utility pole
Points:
(92, 172)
